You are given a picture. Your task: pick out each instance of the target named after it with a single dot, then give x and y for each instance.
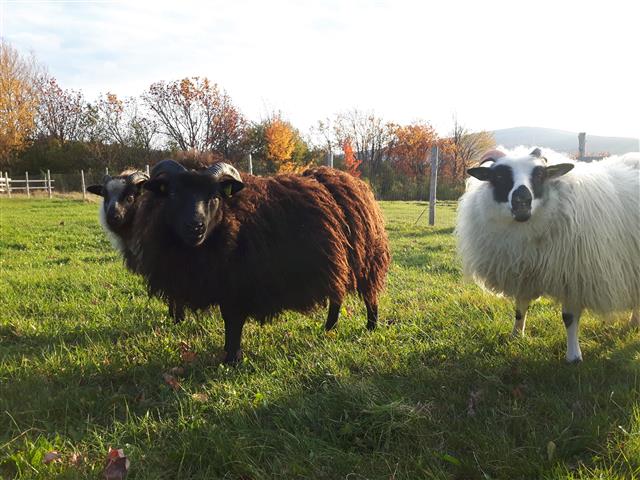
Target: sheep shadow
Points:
(451, 412)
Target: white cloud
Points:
(496, 64)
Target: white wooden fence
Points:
(10, 185)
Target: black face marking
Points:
(538, 176)
(567, 318)
(502, 182)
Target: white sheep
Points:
(529, 227)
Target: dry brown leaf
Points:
(52, 457)
(171, 381)
(116, 466)
(200, 397)
(186, 354)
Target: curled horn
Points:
(537, 153)
(166, 166)
(491, 156)
(222, 172)
(137, 177)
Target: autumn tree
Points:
(195, 114)
(466, 148)
(124, 124)
(351, 162)
(410, 147)
(18, 100)
(369, 136)
(61, 113)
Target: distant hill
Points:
(563, 141)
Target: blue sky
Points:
(559, 64)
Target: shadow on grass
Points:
(442, 413)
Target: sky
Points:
(571, 65)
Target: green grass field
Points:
(440, 390)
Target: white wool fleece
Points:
(581, 246)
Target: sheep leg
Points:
(233, 324)
(372, 315)
(522, 306)
(571, 319)
(176, 311)
(332, 317)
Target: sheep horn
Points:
(220, 170)
(491, 156)
(224, 171)
(137, 177)
(166, 166)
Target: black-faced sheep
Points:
(119, 204)
(254, 246)
(527, 227)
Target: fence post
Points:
(146, 169)
(84, 189)
(49, 182)
(433, 185)
(106, 170)
(26, 178)
(250, 165)
(330, 158)
(6, 181)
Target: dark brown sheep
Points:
(368, 245)
(257, 246)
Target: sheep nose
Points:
(196, 227)
(521, 197)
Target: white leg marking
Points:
(521, 317)
(572, 324)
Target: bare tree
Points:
(468, 147)
(61, 113)
(369, 136)
(195, 115)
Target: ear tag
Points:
(227, 190)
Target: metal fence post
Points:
(106, 170)
(250, 165)
(26, 178)
(146, 169)
(84, 189)
(49, 182)
(433, 185)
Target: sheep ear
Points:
(481, 173)
(230, 186)
(96, 190)
(159, 186)
(559, 169)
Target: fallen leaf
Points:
(51, 457)
(186, 354)
(171, 381)
(116, 466)
(200, 397)
(75, 459)
(551, 450)
(474, 399)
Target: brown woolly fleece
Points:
(287, 242)
(369, 256)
